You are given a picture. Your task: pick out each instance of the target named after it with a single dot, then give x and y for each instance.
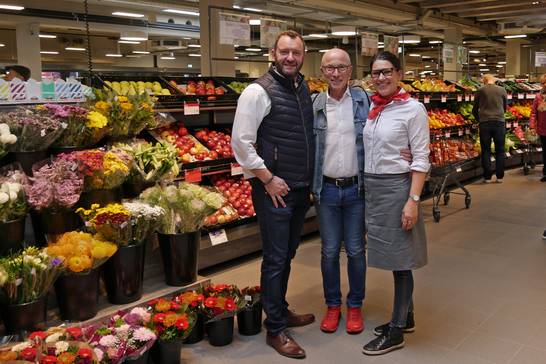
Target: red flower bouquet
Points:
(222, 300)
(170, 320)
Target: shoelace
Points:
(352, 315)
(332, 315)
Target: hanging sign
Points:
(391, 44)
(448, 53)
(234, 29)
(369, 44)
(462, 55)
(269, 29)
(540, 59)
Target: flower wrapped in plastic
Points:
(28, 275)
(170, 320)
(221, 301)
(69, 352)
(186, 206)
(193, 299)
(101, 169)
(35, 128)
(13, 201)
(56, 185)
(80, 252)
(6, 139)
(80, 126)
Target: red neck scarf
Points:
(379, 102)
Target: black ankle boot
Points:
(391, 339)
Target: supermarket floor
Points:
(481, 298)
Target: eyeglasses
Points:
(386, 72)
(331, 69)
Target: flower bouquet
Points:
(21, 353)
(56, 333)
(222, 302)
(127, 115)
(80, 127)
(194, 301)
(69, 352)
(25, 280)
(249, 319)
(78, 289)
(6, 139)
(13, 209)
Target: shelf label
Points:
(466, 97)
(509, 96)
(459, 98)
(444, 98)
(530, 96)
(508, 155)
(515, 124)
(519, 151)
(460, 132)
(472, 97)
(539, 149)
(508, 125)
(448, 134)
(458, 170)
(236, 169)
(467, 131)
(218, 237)
(191, 108)
(521, 96)
(426, 99)
(192, 175)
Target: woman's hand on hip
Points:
(410, 213)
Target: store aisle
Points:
(481, 298)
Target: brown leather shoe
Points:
(294, 320)
(285, 345)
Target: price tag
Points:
(448, 134)
(508, 125)
(459, 98)
(218, 237)
(530, 96)
(192, 175)
(472, 97)
(539, 149)
(508, 155)
(467, 131)
(461, 132)
(519, 151)
(458, 170)
(248, 298)
(426, 99)
(515, 124)
(509, 96)
(492, 159)
(521, 96)
(466, 97)
(191, 108)
(236, 169)
(444, 98)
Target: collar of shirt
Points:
(331, 100)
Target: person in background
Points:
(17, 71)
(538, 121)
(272, 140)
(393, 186)
(489, 108)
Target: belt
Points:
(342, 182)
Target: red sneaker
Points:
(331, 319)
(355, 324)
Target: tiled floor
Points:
(481, 298)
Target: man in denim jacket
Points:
(340, 115)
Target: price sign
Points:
(236, 169)
(192, 175)
(519, 151)
(521, 96)
(508, 155)
(444, 98)
(191, 108)
(218, 237)
(530, 96)
(492, 159)
(466, 97)
(426, 99)
(459, 98)
(515, 124)
(467, 131)
(539, 149)
(472, 97)
(448, 134)
(509, 96)
(508, 125)
(458, 170)
(461, 132)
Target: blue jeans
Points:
(280, 230)
(341, 218)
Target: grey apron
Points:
(389, 246)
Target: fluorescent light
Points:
(484, 69)
(236, 57)
(435, 42)
(515, 36)
(499, 66)
(254, 22)
(132, 56)
(194, 55)
(134, 39)
(485, 60)
(11, 7)
(141, 52)
(265, 54)
(482, 65)
(49, 52)
(130, 15)
(426, 57)
(427, 66)
(474, 51)
(414, 55)
(134, 35)
(128, 42)
(253, 9)
(190, 65)
(501, 62)
(236, 7)
(409, 39)
(380, 46)
(380, 43)
(183, 12)
(167, 57)
(343, 30)
(316, 35)
(75, 49)
(113, 55)
(323, 50)
(2, 45)
(253, 49)
(50, 36)
(194, 45)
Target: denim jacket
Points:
(361, 106)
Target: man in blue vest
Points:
(273, 141)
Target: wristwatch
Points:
(415, 198)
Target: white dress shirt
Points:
(253, 105)
(340, 159)
(400, 125)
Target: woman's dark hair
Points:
(386, 56)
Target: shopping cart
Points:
(443, 178)
(530, 146)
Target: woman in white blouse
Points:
(395, 227)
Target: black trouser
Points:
(543, 142)
(403, 297)
(492, 130)
(280, 229)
